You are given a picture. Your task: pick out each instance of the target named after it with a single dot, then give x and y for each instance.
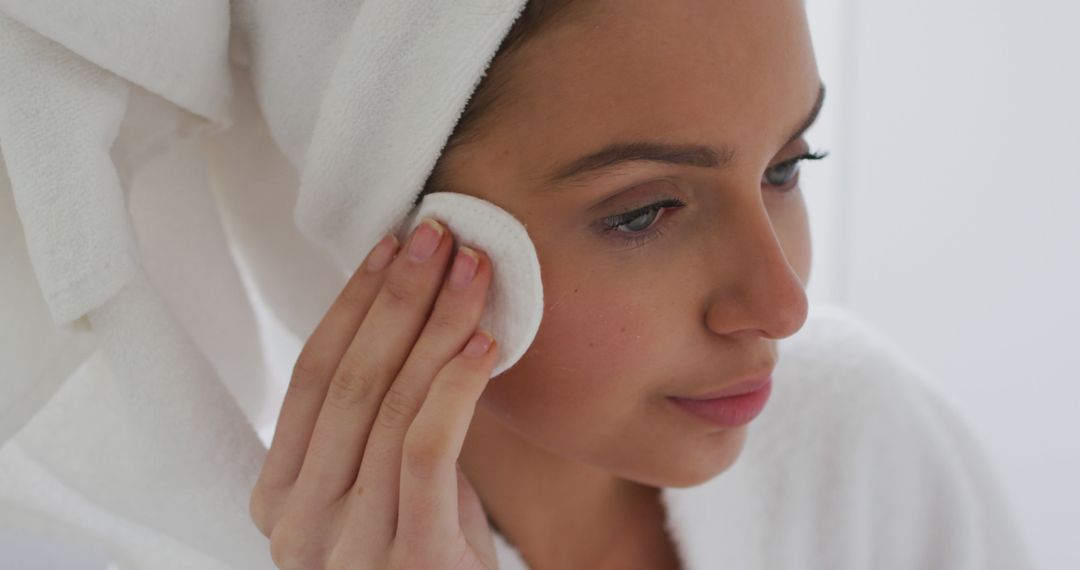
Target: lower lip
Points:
(732, 411)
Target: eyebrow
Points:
(690, 155)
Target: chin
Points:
(707, 458)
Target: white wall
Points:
(948, 217)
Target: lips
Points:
(743, 387)
(729, 412)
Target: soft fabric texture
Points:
(515, 297)
(147, 147)
(152, 148)
(856, 462)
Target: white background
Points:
(946, 215)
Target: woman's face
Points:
(684, 299)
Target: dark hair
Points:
(537, 16)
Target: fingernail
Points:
(425, 240)
(382, 254)
(478, 345)
(464, 269)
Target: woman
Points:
(653, 151)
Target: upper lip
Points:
(739, 388)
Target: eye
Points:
(634, 227)
(784, 174)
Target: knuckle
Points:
(399, 289)
(339, 562)
(401, 557)
(355, 555)
(456, 380)
(398, 409)
(422, 455)
(259, 509)
(444, 321)
(308, 369)
(290, 550)
(350, 387)
(460, 557)
(355, 295)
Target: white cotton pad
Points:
(515, 300)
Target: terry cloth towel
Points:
(857, 462)
(150, 147)
(150, 150)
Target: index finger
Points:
(316, 365)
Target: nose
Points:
(757, 291)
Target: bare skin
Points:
(362, 471)
(578, 433)
(566, 450)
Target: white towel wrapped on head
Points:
(147, 146)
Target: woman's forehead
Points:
(681, 70)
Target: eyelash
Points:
(612, 223)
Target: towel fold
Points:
(152, 152)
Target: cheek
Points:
(593, 357)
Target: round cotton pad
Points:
(515, 301)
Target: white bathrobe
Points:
(857, 463)
(150, 146)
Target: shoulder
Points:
(850, 412)
(858, 461)
(851, 403)
(840, 376)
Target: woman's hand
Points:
(362, 472)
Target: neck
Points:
(552, 509)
